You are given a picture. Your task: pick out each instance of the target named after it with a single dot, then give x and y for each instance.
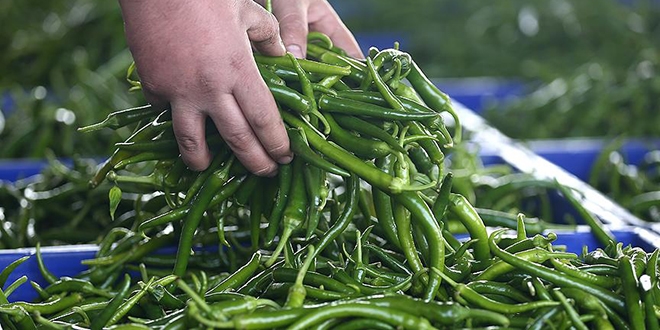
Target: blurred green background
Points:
(588, 68)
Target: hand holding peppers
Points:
(198, 58)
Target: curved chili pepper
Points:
(203, 199)
(434, 98)
(300, 147)
(470, 219)
(362, 147)
(284, 181)
(285, 274)
(317, 192)
(145, 133)
(502, 289)
(364, 127)
(290, 98)
(341, 105)
(4, 275)
(630, 285)
(239, 277)
(536, 255)
(481, 301)
(294, 213)
(422, 214)
(100, 321)
(383, 204)
(345, 159)
(570, 311)
(307, 65)
(297, 293)
(121, 118)
(389, 315)
(445, 313)
(363, 323)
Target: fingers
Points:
(323, 18)
(189, 129)
(293, 25)
(237, 133)
(263, 30)
(298, 17)
(260, 111)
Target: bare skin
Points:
(196, 57)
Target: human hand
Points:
(298, 17)
(197, 56)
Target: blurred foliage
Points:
(511, 38)
(596, 63)
(63, 67)
(594, 101)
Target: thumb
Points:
(263, 30)
(293, 25)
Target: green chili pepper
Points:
(53, 306)
(100, 321)
(433, 97)
(337, 104)
(4, 275)
(316, 185)
(294, 213)
(307, 65)
(536, 255)
(121, 118)
(362, 147)
(239, 277)
(479, 300)
(469, 217)
(383, 204)
(609, 298)
(284, 181)
(570, 311)
(47, 275)
(301, 148)
(630, 285)
(422, 214)
(390, 315)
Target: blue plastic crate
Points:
(480, 92)
(578, 156)
(16, 169)
(60, 260)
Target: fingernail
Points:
(295, 50)
(285, 159)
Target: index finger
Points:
(260, 110)
(323, 18)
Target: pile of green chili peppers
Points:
(352, 234)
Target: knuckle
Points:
(271, 26)
(263, 121)
(268, 32)
(240, 141)
(206, 81)
(265, 170)
(293, 22)
(280, 149)
(189, 144)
